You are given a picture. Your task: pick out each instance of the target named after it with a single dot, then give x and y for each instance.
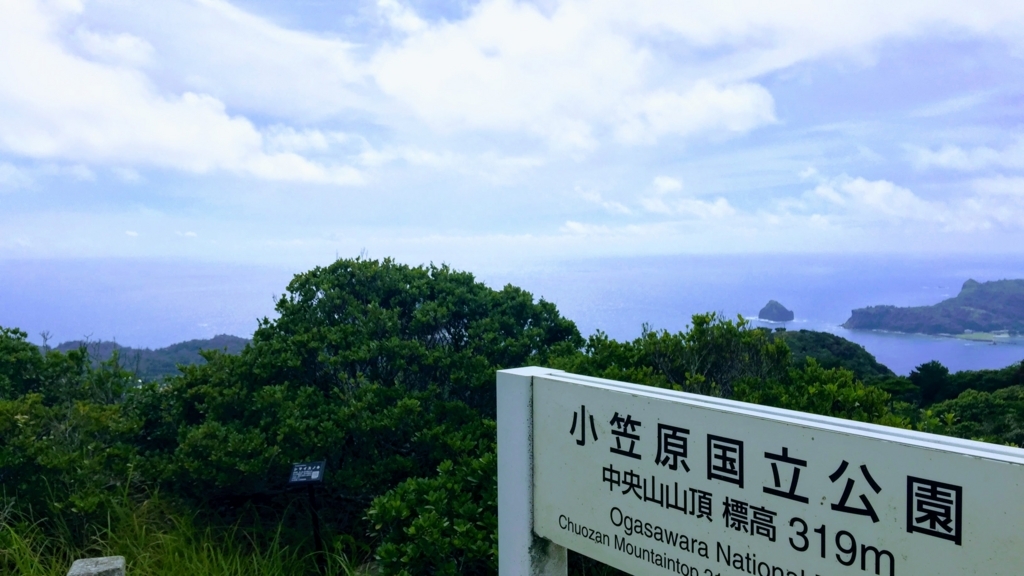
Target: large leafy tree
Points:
(414, 327)
(385, 371)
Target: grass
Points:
(988, 337)
(155, 541)
(977, 336)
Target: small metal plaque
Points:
(308, 473)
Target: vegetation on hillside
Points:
(150, 364)
(831, 351)
(386, 372)
(979, 307)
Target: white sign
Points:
(656, 482)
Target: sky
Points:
(504, 133)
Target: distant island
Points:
(991, 308)
(775, 312)
(155, 364)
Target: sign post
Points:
(652, 481)
(520, 551)
(310, 474)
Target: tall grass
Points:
(155, 541)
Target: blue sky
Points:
(500, 133)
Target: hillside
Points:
(979, 307)
(153, 364)
(832, 351)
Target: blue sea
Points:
(619, 295)
(154, 303)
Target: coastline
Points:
(997, 337)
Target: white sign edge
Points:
(886, 433)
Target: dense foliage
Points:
(831, 351)
(935, 383)
(988, 416)
(386, 372)
(64, 441)
(709, 358)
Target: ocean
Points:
(619, 295)
(154, 303)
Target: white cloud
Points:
(571, 73)
(55, 105)
(131, 233)
(400, 17)
(610, 206)
(563, 72)
(287, 139)
(563, 76)
(717, 209)
(455, 109)
(492, 167)
(13, 177)
(667, 201)
(416, 156)
(952, 105)
(128, 175)
(582, 229)
(568, 70)
(692, 207)
(828, 192)
(666, 184)
(559, 71)
(991, 203)
(771, 36)
(879, 198)
(79, 172)
(956, 158)
(508, 67)
(998, 200)
(703, 108)
(258, 67)
(884, 197)
(1000, 186)
(123, 49)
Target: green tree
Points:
(933, 382)
(825, 391)
(996, 417)
(831, 351)
(714, 354)
(445, 525)
(395, 325)
(64, 441)
(383, 370)
(709, 357)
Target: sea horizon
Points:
(152, 303)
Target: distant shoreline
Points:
(993, 337)
(998, 337)
(1001, 337)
